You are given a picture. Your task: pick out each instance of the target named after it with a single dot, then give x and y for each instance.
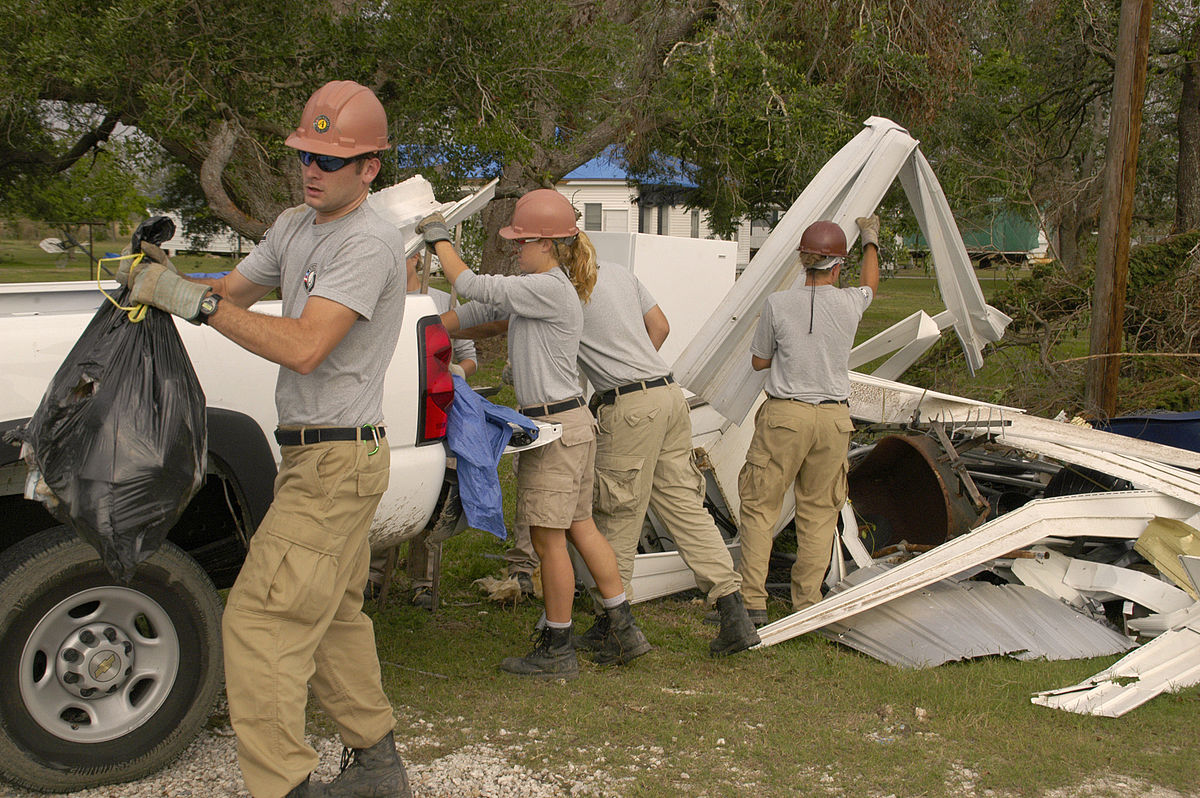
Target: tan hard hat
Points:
(542, 213)
(342, 118)
(824, 238)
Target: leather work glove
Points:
(150, 254)
(457, 370)
(869, 230)
(433, 228)
(156, 285)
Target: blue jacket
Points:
(477, 432)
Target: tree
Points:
(102, 185)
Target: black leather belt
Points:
(801, 401)
(533, 411)
(307, 435)
(610, 396)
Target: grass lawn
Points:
(806, 717)
(25, 262)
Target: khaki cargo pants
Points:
(644, 459)
(294, 617)
(801, 446)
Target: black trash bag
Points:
(120, 436)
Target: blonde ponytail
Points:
(579, 259)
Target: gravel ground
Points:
(208, 768)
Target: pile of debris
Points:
(1091, 548)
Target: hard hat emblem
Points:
(321, 124)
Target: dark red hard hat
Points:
(824, 238)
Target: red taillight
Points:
(437, 386)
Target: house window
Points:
(592, 216)
(664, 217)
(645, 219)
(696, 223)
(616, 220)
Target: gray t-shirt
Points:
(464, 348)
(807, 366)
(545, 322)
(615, 348)
(356, 261)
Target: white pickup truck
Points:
(102, 682)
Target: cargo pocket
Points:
(616, 482)
(289, 572)
(752, 477)
(840, 486)
(373, 483)
(547, 500)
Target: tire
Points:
(101, 682)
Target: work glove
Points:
(156, 285)
(150, 254)
(457, 370)
(433, 228)
(868, 227)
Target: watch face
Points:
(208, 305)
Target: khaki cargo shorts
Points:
(554, 482)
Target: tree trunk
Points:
(1116, 214)
(1187, 175)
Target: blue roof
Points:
(608, 166)
(599, 168)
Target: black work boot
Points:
(553, 656)
(737, 631)
(374, 772)
(624, 641)
(594, 637)
(305, 789)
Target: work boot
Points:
(624, 641)
(525, 582)
(553, 656)
(423, 597)
(737, 630)
(374, 772)
(306, 790)
(594, 637)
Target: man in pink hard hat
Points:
(293, 620)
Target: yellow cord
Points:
(136, 312)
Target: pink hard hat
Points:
(542, 213)
(343, 119)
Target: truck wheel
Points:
(101, 682)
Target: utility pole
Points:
(1116, 207)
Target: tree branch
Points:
(220, 151)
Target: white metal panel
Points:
(850, 185)
(1167, 664)
(1102, 515)
(686, 297)
(909, 339)
(1102, 578)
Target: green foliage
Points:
(102, 187)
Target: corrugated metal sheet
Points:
(949, 621)
(1098, 515)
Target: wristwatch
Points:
(208, 306)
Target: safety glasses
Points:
(328, 163)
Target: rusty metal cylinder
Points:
(906, 490)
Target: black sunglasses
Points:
(329, 163)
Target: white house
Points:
(609, 201)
